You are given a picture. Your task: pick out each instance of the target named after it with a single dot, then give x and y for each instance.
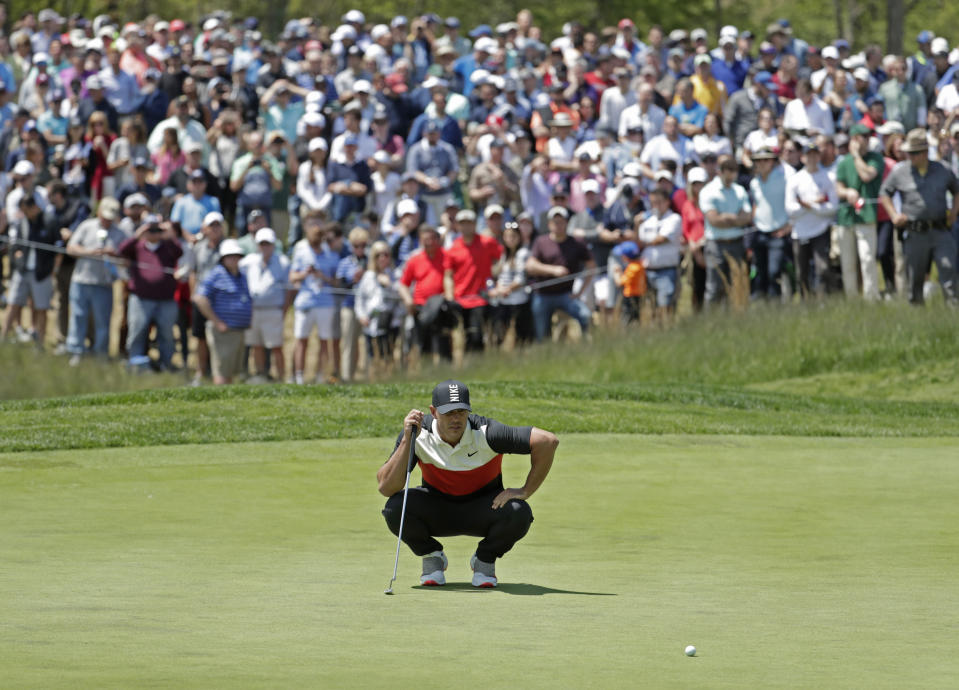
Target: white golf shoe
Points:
(484, 574)
(433, 566)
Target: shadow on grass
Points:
(520, 588)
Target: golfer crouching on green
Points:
(460, 455)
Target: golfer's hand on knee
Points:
(506, 495)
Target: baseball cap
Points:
(830, 53)
(696, 174)
(924, 37)
(492, 209)
(699, 34)
(109, 208)
(703, 59)
(858, 129)
(198, 175)
(663, 175)
(557, 211)
(766, 79)
(265, 235)
(406, 207)
(212, 217)
(142, 162)
(590, 186)
(465, 216)
(23, 168)
(628, 249)
(135, 199)
(192, 146)
(230, 247)
(861, 73)
(940, 46)
(451, 395)
(317, 144)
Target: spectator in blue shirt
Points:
(435, 165)
(449, 127)
(349, 181)
(315, 305)
(689, 113)
(728, 69)
(190, 209)
(224, 299)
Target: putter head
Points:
(388, 591)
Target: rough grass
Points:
(763, 344)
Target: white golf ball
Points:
(690, 650)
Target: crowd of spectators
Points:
(389, 182)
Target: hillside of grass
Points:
(274, 413)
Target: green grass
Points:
(275, 413)
(789, 562)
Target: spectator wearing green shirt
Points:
(858, 178)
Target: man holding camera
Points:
(153, 253)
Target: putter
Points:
(406, 489)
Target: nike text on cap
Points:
(451, 395)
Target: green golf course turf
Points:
(788, 562)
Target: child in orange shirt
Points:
(632, 281)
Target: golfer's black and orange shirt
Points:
(475, 461)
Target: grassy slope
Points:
(289, 412)
(788, 562)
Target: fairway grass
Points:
(788, 562)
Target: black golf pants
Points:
(431, 514)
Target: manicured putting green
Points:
(787, 562)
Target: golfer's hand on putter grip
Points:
(414, 418)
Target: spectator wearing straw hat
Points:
(224, 299)
(925, 219)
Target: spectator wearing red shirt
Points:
(693, 233)
(424, 274)
(467, 271)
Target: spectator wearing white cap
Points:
(823, 80)
(311, 178)
(352, 129)
(201, 260)
(31, 267)
(50, 23)
(386, 182)
(191, 210)
(224, 299)
(267, 274)
(348, 274)
(588, 225)
(91, 286)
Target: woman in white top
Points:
(508, 298)
(767, 136)
(386, 182)
(311, 178)
(378, 306)
(712, 140)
